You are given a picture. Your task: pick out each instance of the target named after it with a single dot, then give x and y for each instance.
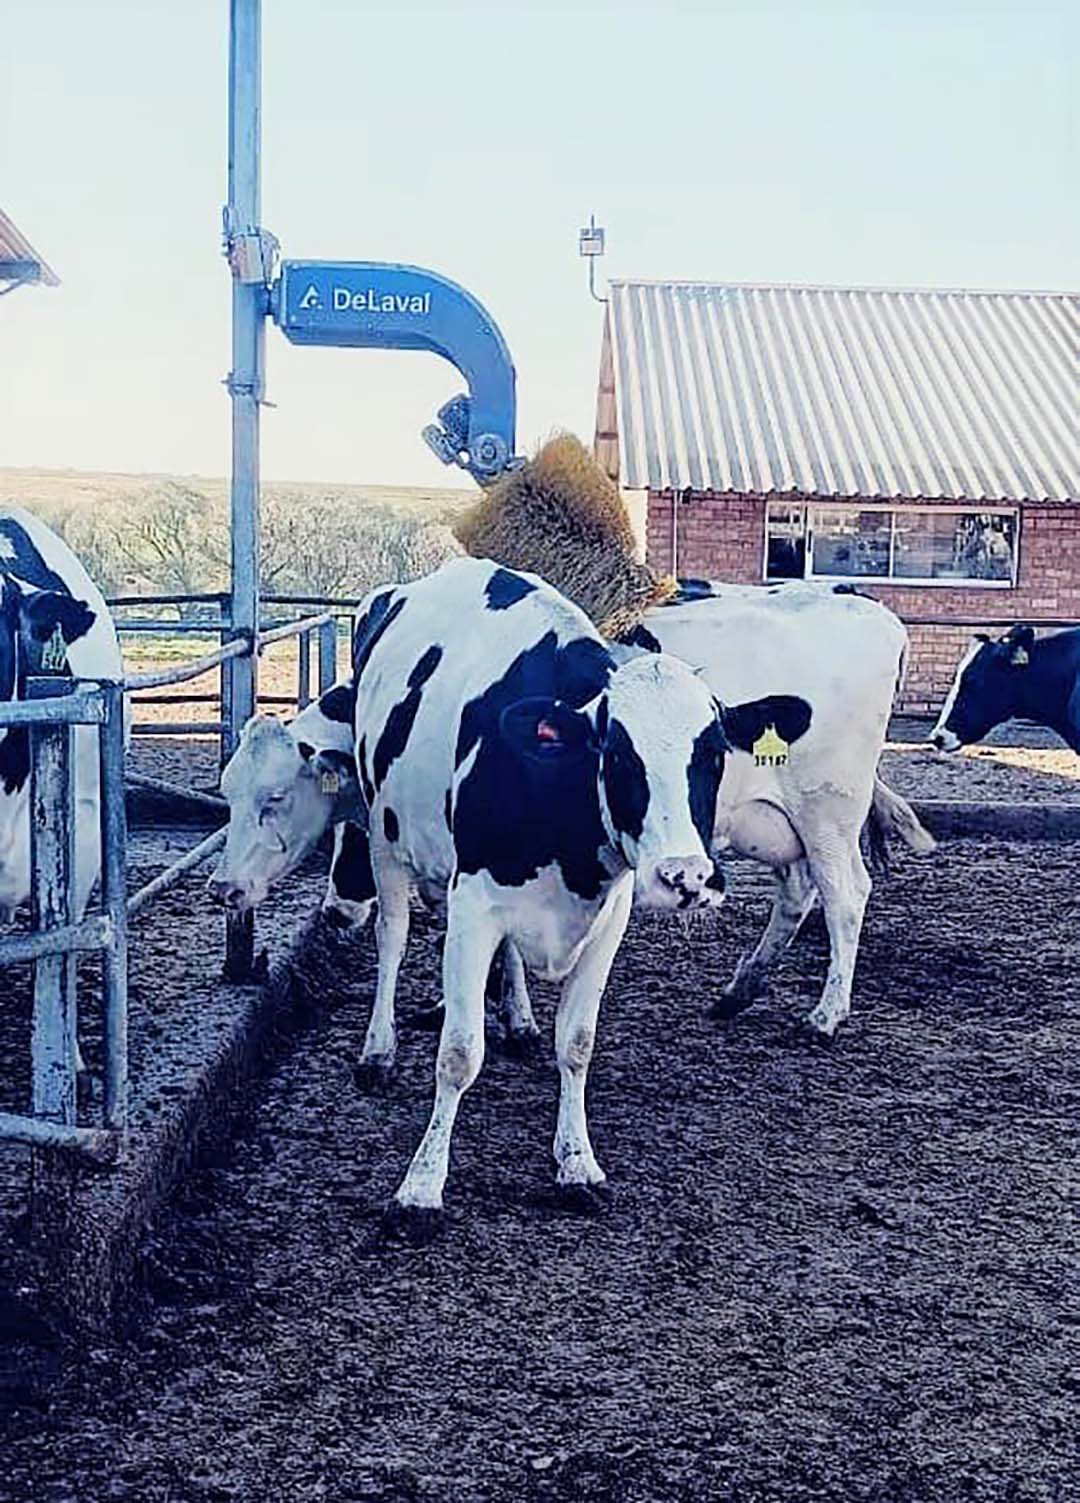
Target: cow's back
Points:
(841, 652)
(443, 646)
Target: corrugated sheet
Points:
(847, 392)
(14, 247)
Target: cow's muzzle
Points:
(944, 740)
(688, 882)
(233, 896)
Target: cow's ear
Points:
(981, 636)
(545, 731)
(1020, 640)
(46, 610)
(338, 780)
(786, 714)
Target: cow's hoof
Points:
(584, 1200)
(415, 1226)
(87, 1090)
(374, 1076)
(424, 1019)
(820, 1028)
(521, 1043)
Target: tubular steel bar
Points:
(91, 934)
(303, 672)
(94, 1142)
(166, 879)
(286, 629)
(239, 647)
(327, 654)
(52, 874)
(79, 708)
(114, 904)
(245, 386)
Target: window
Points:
(940, 545)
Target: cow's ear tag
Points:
(1019, 657)
(54, 653)
(330, 783)
(770, 749)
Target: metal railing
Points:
(51, 711)
(217, 625)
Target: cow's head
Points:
(282, 795)
(988, 689)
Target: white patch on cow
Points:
(946, 740)
(7, 547)
(841, 653)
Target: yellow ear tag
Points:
(1020, 658)
(330, 783)
(54, 653)
(770, 749)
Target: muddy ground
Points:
(843, 1273)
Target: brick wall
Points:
(723, 537)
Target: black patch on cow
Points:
(744, 724)
(27, 622)
(574, 674)
(306, 750)
(399, 722)
(641, 636)
(365, 780)
(448, 810)
(505, 589)
(626, 783)
(27, 564)
(390, 824)
(352, 876)
(371, 627)
(516, 814)
(703, 775)
(339, 704)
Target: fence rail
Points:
(53, 707)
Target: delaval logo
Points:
(371, 300)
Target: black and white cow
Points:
(51, 615)
(800, 809)
(1015, 678)
(503, 754)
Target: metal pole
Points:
(245, 385)
(52, 864)
(327, 656)
(303, 670)
(114, 903)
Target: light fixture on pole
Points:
(591, 245)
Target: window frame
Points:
(900, 581)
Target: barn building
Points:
(923, 445)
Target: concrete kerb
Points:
(88, 1223)
(951, 818)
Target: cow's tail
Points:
(892, 818)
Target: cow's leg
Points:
(391, 935)
(472, 938)
(794, 896)
(844, 885)
(521, 1030)
(575, 1034)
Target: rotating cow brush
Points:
(560, 516)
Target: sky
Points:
(852, 144)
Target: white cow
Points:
(800, 809)
(501, 751)
(48, 606)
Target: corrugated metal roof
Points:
(16, 251)
(881, 392)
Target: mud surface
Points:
(826, 1273)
